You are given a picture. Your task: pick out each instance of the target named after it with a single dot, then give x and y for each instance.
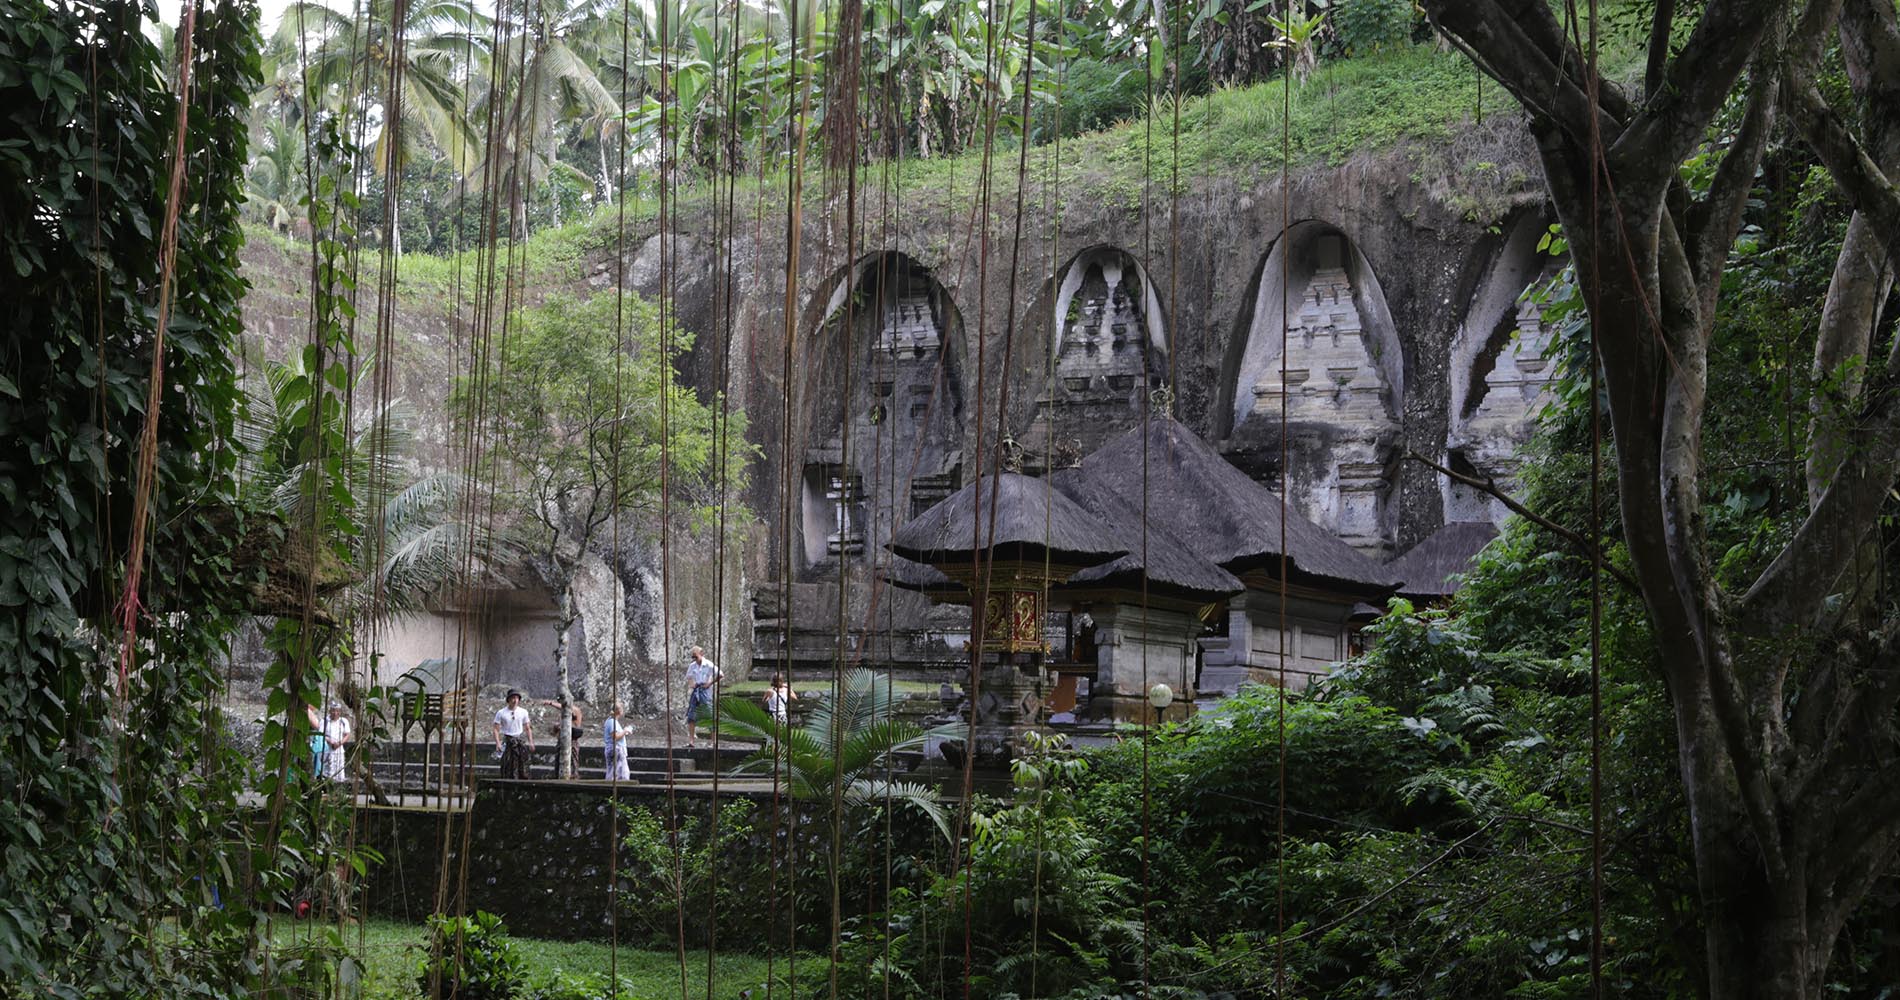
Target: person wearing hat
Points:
(514, 737)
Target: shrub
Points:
(667, 874)
(1365, 26)
(471, 958)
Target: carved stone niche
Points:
(1108, 348)
(1489, 441)
(895, 418)
(1331, 373)
(1331, 391)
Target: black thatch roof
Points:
(1030, 516)
(1171, 562)
(1426, 570)
(916, 576)
(1229, 519)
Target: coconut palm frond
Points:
(845, 746)
(914, 794)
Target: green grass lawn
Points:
(390, 952)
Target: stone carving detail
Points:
(1332, 381)
(1105, 355)
(1330, 375)
(845, 492)
(1515, 390)
(927, 491)
(909, 330)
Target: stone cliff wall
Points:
(1382, 324)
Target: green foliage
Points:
(676, 881)
(1038, 874)
(389, 954)
(1096, 95)
(122, 824)
(1365, 26)
(844, 749)
(587, 399)
(471, 958)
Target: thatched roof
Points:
(1029, 516)
(1226, 517)
(911, 575)
(1172, 563)
(1427, 569)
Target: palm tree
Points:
(349, 68)
(407, 542)
(549, 79)
(845, 747)
(275, 174)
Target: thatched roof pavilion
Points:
(1431, 569)
(1010, 516)
(1214, 509)
(1147, 541)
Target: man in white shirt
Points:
(702, 675)
(514, 737)
(336, 733)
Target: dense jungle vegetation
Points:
(1725, 203)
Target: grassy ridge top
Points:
(1366, 104)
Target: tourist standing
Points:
(778, 700)
(703, 675)
(317, 743)
(336, 733)
(613, 739)
(514, 737)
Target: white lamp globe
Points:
(1160, 696)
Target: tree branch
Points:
(1523, 49)
(1839, 712)
(1490, 486)
(1872, 814)
(1662, 24)
(1794, 587)
(1647, 153)
(1713, 222)
(1867, 187)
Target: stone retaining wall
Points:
(537, 854)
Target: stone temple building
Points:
(1159, 562)
(1315, 389)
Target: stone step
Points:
(544, 752)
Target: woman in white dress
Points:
(613, 738)
(336, 733)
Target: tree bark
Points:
(1781, 731)
(564, 737)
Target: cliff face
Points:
(1382, 322)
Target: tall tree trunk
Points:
(564, 737)
(1783, 703)
(841, 103)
